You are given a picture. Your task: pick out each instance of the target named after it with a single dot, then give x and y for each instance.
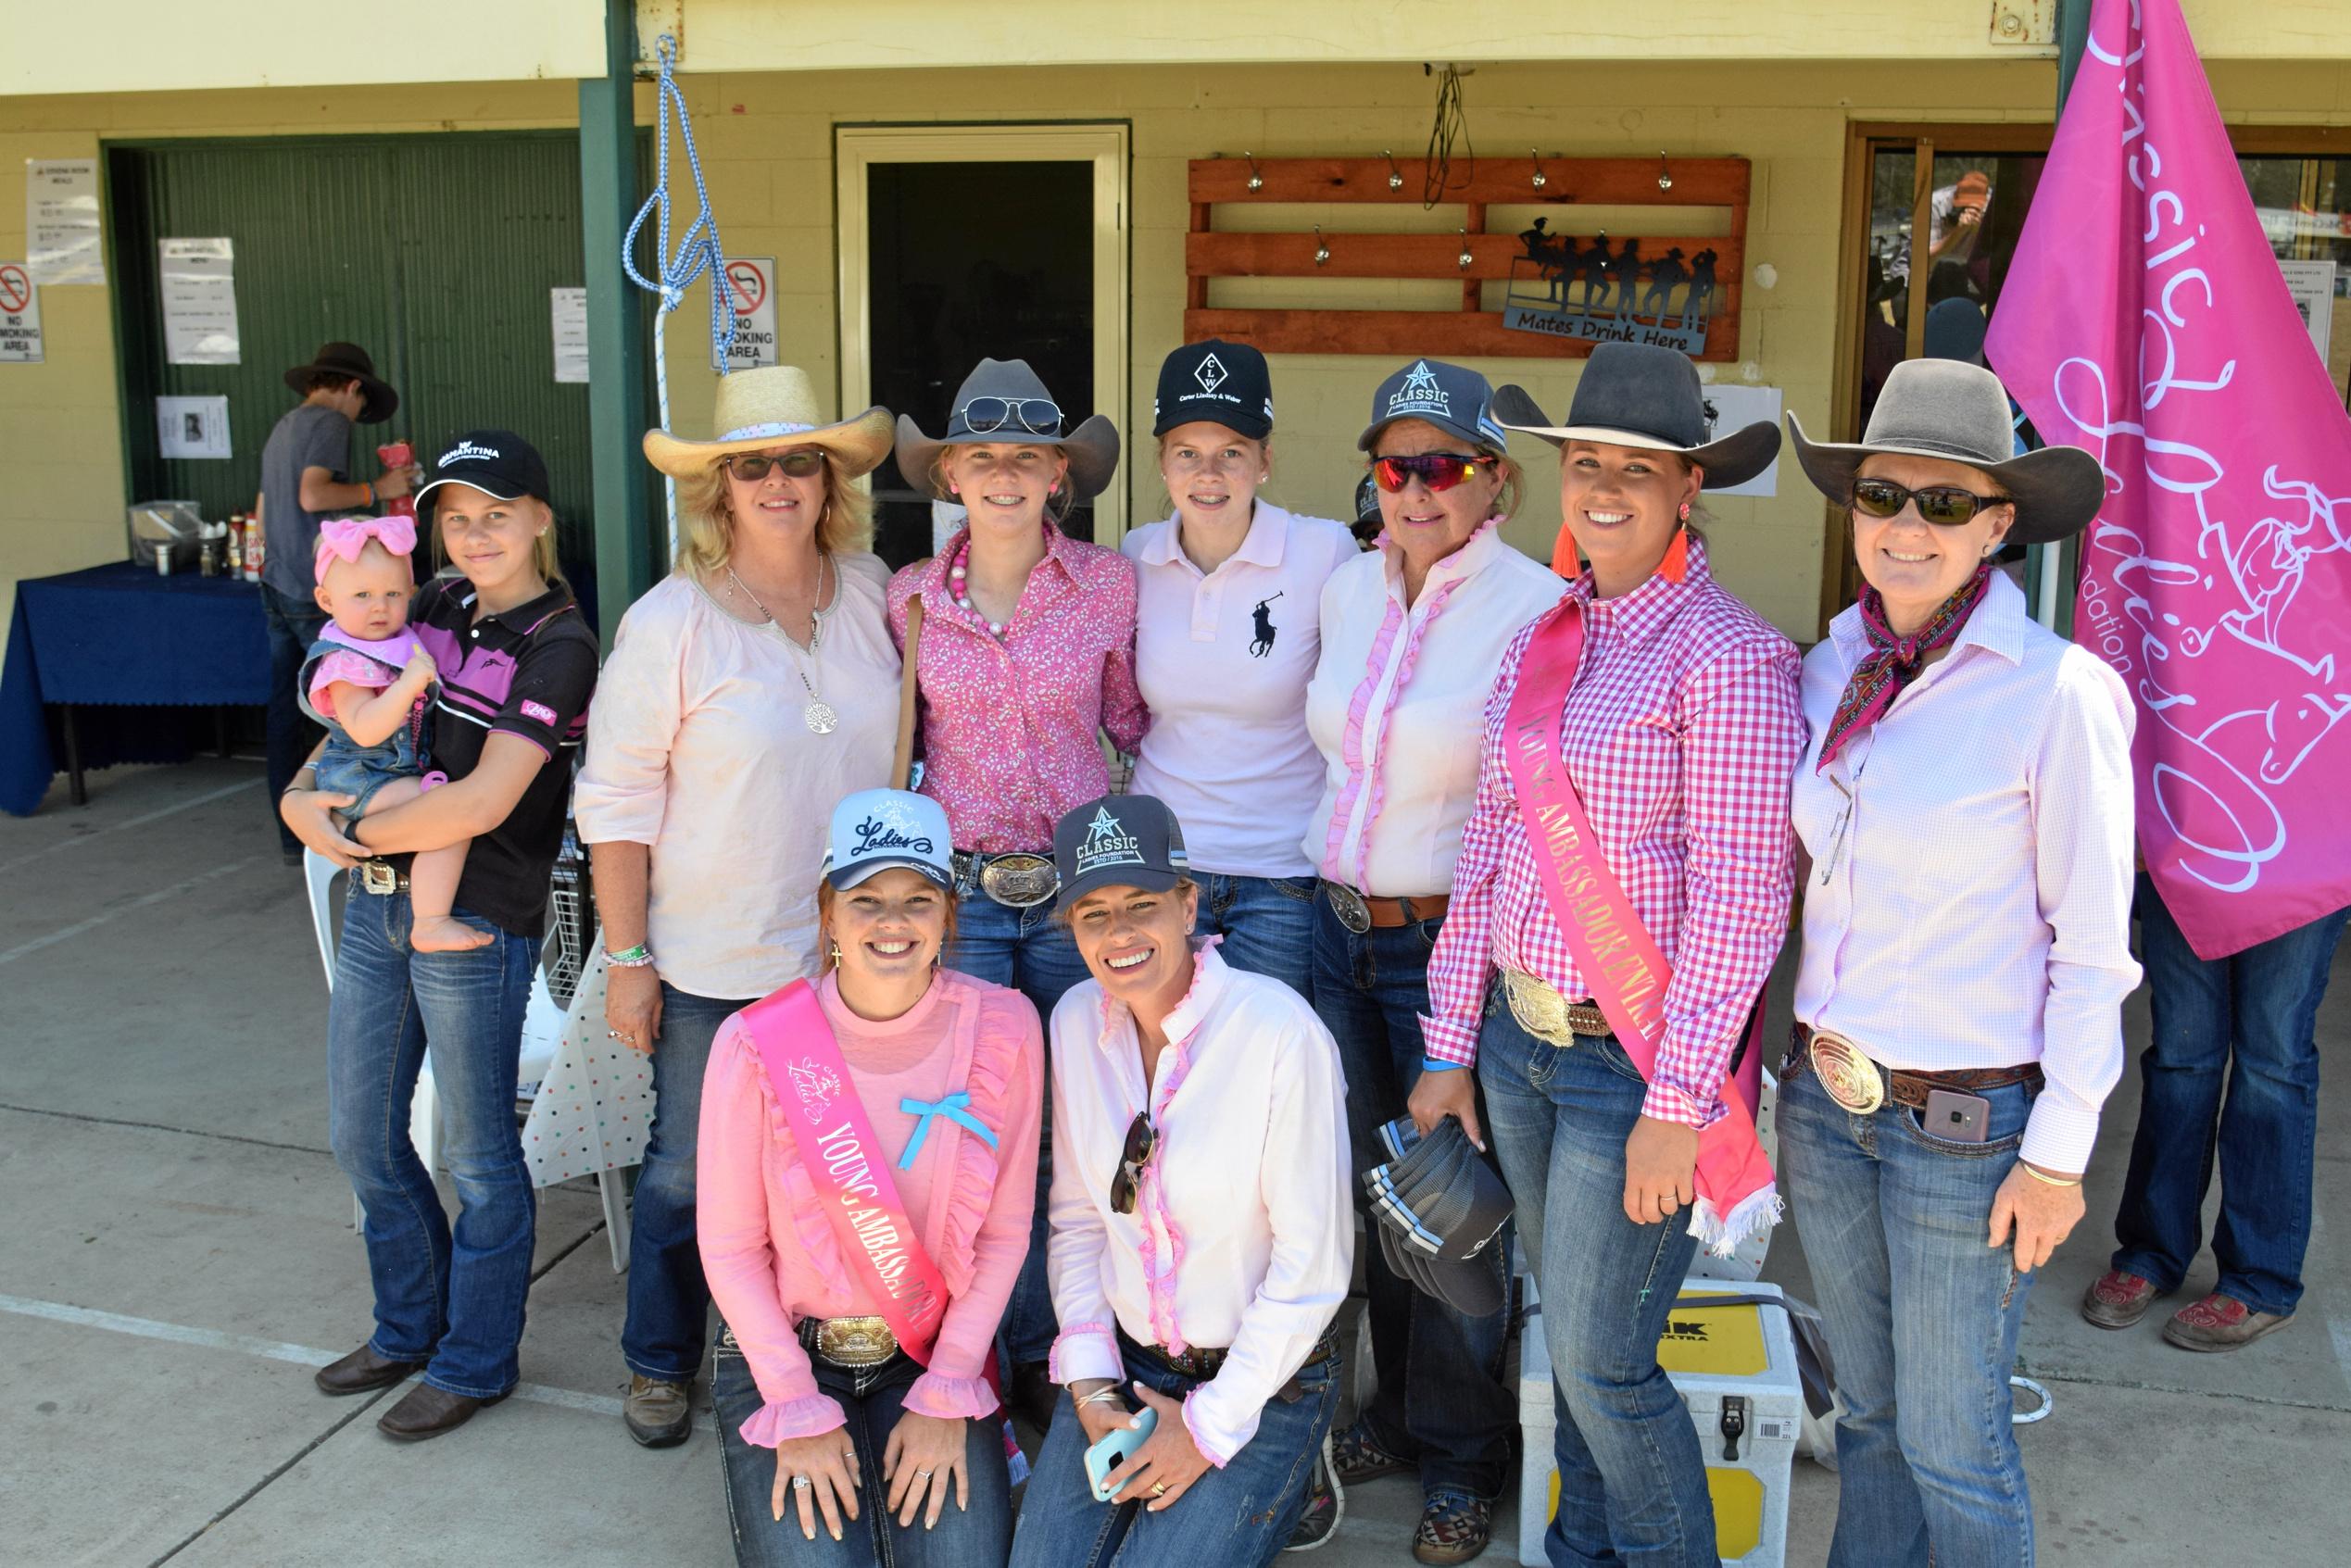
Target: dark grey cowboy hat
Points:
(1639, 394)
(1092, 446)
(349, 362)
(1959, 413)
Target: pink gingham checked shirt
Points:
(1008, 727)
(1682, 731)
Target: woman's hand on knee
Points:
(828, 1464)
(633, 1006)
(1165, 1466)
(307, 814)
(923, 1452)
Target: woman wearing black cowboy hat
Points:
(1966, 800)
(1025, 651)
(1660, 716)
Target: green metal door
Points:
(435, 252)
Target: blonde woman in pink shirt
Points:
(1026, 657)
(868, 1170)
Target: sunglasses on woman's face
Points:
(1141, 1139)
(1945, 506)
(1439, 471)
(751, 467)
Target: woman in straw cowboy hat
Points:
(1623, 884)
(1966, 802)
(1025, 652)
(754, 686)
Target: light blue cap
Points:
(876, 829)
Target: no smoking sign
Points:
(751, 280)
(20, 316)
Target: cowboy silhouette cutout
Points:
(1556, 257)
(1263, 616)
(1592, 266)
(1664, 276)
(1625, 270)
(1699, 302)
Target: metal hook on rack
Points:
(1465, 259)
(1395, 175)
(1321, 251)
(1256, 180)
(1664, 174)
(1541, 178)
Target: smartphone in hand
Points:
(1121, 1442)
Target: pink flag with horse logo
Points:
(2145, 319)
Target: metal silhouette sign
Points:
(1565, 288)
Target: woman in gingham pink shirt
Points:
(1027, 652)
(1680, 732)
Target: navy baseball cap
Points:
(876, 829)
(1440, 1204)
(1119, 841)
(496, 462)
(1222, 383)
(1457, 401)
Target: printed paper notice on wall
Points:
(750, 280)
(62, 240)
(571, 334)
(192, 427)
(1736, 407)
(2311, 282)
(199, 302)
(20, 316)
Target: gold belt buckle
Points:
(1348, 904)
(855, 1342)
(1540, 1008)
(1850, 1078)
(1019, 881)
(377, 877)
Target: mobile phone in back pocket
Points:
(1956, 1118)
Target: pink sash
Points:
(1613, 952)
(845, 1160)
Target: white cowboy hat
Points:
(772, 405)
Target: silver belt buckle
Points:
(1348, 904)
(1019, 881)
(378, 877)
(1538, 1006)
(1849, 1077)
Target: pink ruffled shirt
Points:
(771, 1258)
(1008, 726)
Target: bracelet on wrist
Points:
(639, 957)
(1100, 1396)
(2040, 1176)
(370, 484)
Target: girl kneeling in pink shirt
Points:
(867, 1171)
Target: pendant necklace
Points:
(818, 714)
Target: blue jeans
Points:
(1267, 923)
(668, 1304)
(1632, 1482)
(975, 1535)
(454, 1299)
(293, 624)
(1032, 952)
(2247, 1021)
(1441, 1397)
(1237, 1517)
(1922, 1318)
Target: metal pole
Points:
(616, 337)
(2050, 569)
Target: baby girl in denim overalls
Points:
(369, 681)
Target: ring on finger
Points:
(1159, 1489)
(801, 1483)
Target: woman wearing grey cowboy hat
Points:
(757, 677)
(1966, 800)
(1024, 654)
(1410, 633)
(1665, 710)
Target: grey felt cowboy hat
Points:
(1640, 394)
(1003, 401)
(1959, 413)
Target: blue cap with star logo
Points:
(1459, 402)
(1119, 841)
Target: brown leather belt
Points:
(1848, 1086)
(1360, 912)
(1202, 1364)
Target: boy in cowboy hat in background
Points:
(303, 483)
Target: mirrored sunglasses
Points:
(1439, 471)
(1945, 506)
(1128, 1183)
(1037, 416)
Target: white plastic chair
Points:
(543, 1024)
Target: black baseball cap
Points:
(1118, 841)
(1456, 399)
(1439, 1205)
(1224, 384)
(496, 462)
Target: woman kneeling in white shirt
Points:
(1200, 1231)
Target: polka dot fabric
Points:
(596, 1102)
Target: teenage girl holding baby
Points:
(514, 664)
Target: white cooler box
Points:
(1741, 1359)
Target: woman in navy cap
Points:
(1412, 632)
(1227, 632)
(517, 664)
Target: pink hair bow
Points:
(346, 536)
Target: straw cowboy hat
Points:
(772, 405)
(1959, 413)
(1640, 394)
(1003, 401)
(349, 362)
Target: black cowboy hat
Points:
(1646, 396)
(349, 361)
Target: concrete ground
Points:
(179, 1256)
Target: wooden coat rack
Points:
(1471, 258)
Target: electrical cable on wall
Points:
(697, 248)
(1452, 124)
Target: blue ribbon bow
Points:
(956, 1108)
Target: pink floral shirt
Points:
(1008, 726)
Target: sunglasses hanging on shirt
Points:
(1142, 1140)
(1439, 471)
(1945, 506)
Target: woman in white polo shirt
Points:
(1227, 634)
(1412, 633)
